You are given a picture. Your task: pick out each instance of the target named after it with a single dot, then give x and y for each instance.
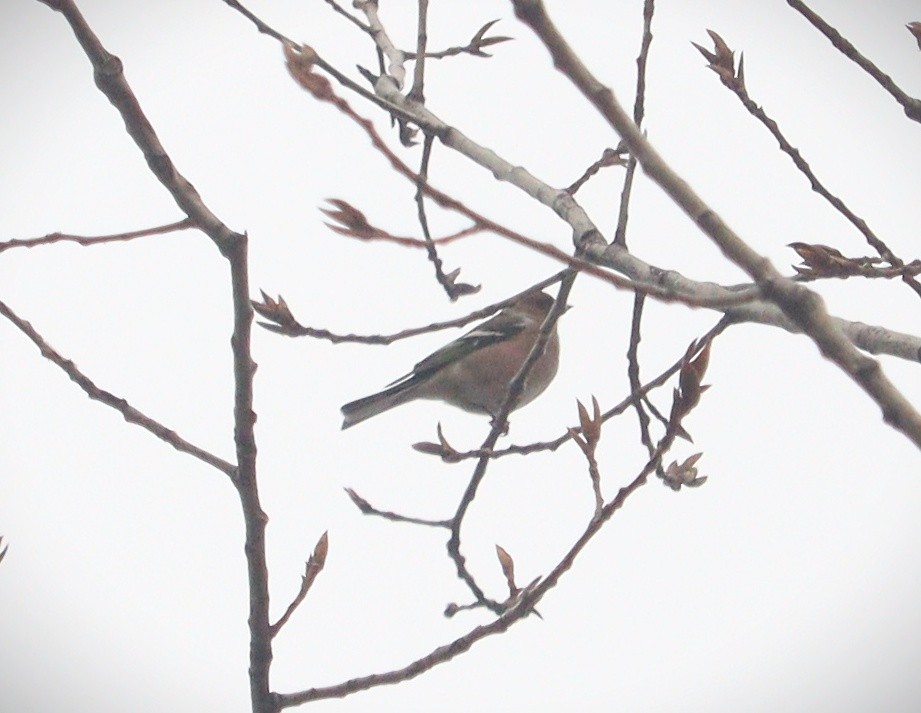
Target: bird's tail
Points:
(363, 409)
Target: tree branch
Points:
(802, 306)
(911, 105)
(130, 414)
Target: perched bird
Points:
(473, 372)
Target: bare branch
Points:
(911, 105)
(736, 302)
(474, 47)
(183, 224)
(448, 281)
(734, 81)
(111, 81)
(522, 605)
(803, 307)
(130, 414)
(284, 322)
(313, 567)
(368, 509)
(107, 71)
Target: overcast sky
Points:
(790, 581)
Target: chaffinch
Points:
(474, 371)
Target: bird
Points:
(474, 371)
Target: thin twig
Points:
(639, 109)
(312, 568)
(128, 412)
(499, 426)
(417, 93)
(348, 16)
(911, 105)
(448, 282)
(722, 64)
(183, 224)
(368, 509)
(620, 234)
(111, 81)
(802, 306)
(284, 322)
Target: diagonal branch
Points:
(802, 306)
(130, 414)
(911, 105)
(312, 568)
(870, 338)
(110, 80)
(499, 426)
(522, 606)
(733, 79)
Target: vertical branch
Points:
(417, 93)
(639, 109)
(499, 426)
(260, 651)
(448, 281)
(110, 79)
(620, 235)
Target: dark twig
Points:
(348, 16)
(284, 322)
(448, 281)
(417, 93)
(266, 29)
(639, 110)
(633, 372)
(474, 47)
(301, 62)
(620, 234)
(183, 224)
(128, 412)
(499, 426)
(722, 62)
(368, 509)
(312, 568)
(911, 105)
(801, 306)
(609, 157)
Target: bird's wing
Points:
(498, 329)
